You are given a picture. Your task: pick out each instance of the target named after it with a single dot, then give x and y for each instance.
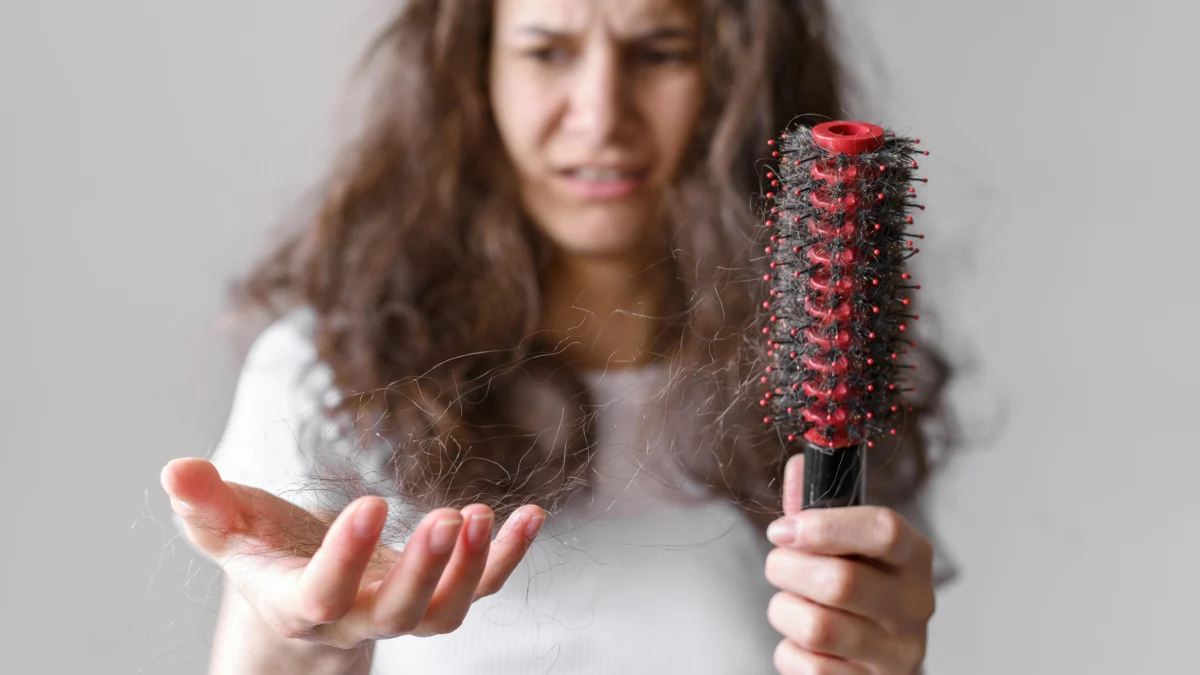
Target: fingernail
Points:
(441, 540)
(781, 533)
(531, 527)
(479, 530)
(181, 507)
(793, 463)
(363, 523)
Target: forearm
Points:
(243, 644)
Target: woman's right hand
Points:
(350, 590)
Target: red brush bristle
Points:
(840, 202)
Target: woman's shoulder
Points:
(277, 434)
(282, 363)
(286, 343)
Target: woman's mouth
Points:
(592, 182)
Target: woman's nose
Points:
(598, 105)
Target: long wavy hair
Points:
(425, 276)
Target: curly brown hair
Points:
(426, 278)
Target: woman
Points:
(524, 299)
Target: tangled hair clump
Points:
(425, 277)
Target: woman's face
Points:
(596, 102)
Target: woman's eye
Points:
(660, 56)
(548, 54)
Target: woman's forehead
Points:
(573, 16)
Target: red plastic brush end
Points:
(848, 137)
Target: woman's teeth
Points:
(602, 175)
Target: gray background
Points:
(147, 149)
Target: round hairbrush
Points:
(841, 202)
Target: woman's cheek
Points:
(677, 112)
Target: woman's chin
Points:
(602, 245)
(623, 234)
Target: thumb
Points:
(205, 503)
(793, 484)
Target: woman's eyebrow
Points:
(541, 31)
(654, 34)
(664, 33)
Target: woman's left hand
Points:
(856, 588)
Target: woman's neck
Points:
(605, 312)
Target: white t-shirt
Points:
(649, 574)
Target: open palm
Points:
(325, 578)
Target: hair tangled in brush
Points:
(426, 278)
(839, 295)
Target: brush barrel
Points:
(834, 478)
(839, 210)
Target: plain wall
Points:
(149, 147)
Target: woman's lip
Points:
(604, 189)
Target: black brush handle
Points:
(835, 477)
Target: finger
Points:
(824, 630)
(205, 504)
(402, 597)
(791, 659)
(793, 484)
(328, 586)
(508, 548)
(873, 532)
(454, 594)
(841, 583)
